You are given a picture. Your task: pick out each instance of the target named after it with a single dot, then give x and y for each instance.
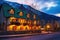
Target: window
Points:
(21, 13)
(29, 21)
(11, 27)
(48, 25)
(34, 21)
(28, 15)
(11, 11)
(12, 19)
(34, 16)
(21, 21)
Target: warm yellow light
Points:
(11, 11)
(21, 13)
(39, 27)
(48, 26)
(22, 28)
(10, 27)
(27, 27)
(35, 22)
(18, 28)
(30, 28)
(29, 21)
(34, 27)
(22, 21)
(12, 19)
(14, 28)
(34, 16)
(28, 15)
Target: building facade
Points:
(24, 20)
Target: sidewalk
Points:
(22, 35)
(19, 35)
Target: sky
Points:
(48, 6)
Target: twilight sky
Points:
(48, 6)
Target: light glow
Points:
(11, 11)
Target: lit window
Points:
(21, 13)
(18, 28)
(11, 11)
(29, 21)
(48, 26)
(22, 27)
(14, 28)
(10, 27)
(35, 22)
(28, 15)
(12, 19)
(27, 27)
(34, 16)
(22, 21)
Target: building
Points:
(22, 19)
(19, 19)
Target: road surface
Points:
(52, 36)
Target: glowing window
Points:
(22, 28)
(34, 16)
(10, 27)
(11, 11)
(28, 15)
(48, 26)
(22, 21)
(18, 28)
(21, 13)
(27, 27)
(12, 19)
(35, 22)
(29, 21)
(14, 28)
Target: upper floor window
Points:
(28, 15)
(21, 13)
(34, 16)
(11, 11)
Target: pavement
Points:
(22, 35)
(51, 36)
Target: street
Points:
(52, 36)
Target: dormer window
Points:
(34, 16)
(28, 15)
(11, 11)
(21, 13)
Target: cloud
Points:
(46, 5)
(39, 5)
(27, 2)
(58, 14)
(50, 4)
